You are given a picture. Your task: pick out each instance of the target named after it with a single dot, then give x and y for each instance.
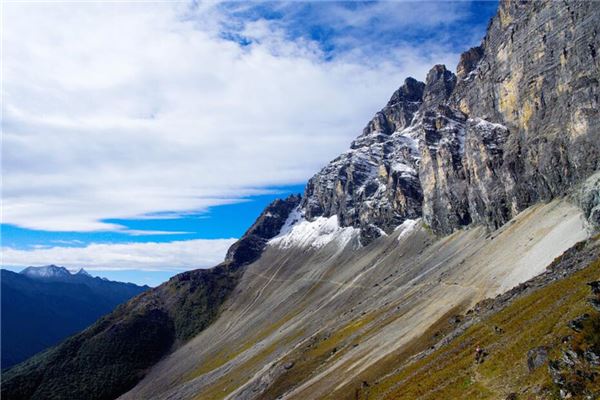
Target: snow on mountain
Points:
(299, 232)
(45, 272)
(407, 227)
(53, 272)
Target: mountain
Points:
(461, 189)
(49, 272)
(43, 305)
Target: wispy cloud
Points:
(143, 232)
(120, 110)
(170, 256)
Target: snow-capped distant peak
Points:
(45, 272)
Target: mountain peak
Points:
(45, 272)
(83, 272)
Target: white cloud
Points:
(121, 110)
(170, 256)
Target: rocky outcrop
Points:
(575, 372)
(468, 61)
(536, 357)
(518, 124)
(589, 200)
(439, 85)
(375, 184)
(266, 226)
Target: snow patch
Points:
(48, 271)
(298, 232)
(404, 169)
(407, 227)
(486, 124)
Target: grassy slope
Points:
(112, 355)
(537, 319)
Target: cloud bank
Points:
(171, 256)
(121, 110)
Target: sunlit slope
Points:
(311, 323)
(535, 319)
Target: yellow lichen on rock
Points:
(508, 95)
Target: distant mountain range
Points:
(43, 305)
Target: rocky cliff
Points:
(518, 124)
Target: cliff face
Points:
(519, 124)
(375, 184)
(539, 76)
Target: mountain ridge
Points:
(43, 306)
(468, 160)
(458, 172)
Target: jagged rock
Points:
(542, 83)
(468, 61)
(577, 323)
(441, 172)
(589, 201)
(439, 85)
(536, 357)
(266, 226)
(595, 303)
(399, 111)
(520, 124)
(591, 357)
(554, 368)
(569, 358)
(375, 184)
(594, 287)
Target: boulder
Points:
(537, 357)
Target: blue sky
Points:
(138, 161)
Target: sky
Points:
(140, 139)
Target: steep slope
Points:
(459, 189)
(42, 306)
(309, 320)
(536, 338)
(112, 355)
(478, 149)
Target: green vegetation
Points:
(537, 319)
(111, 356)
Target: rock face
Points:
(589, 200)
(518, 124)
(536, 357)
(375, 184)
(266, 226)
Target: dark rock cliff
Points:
(518, 124)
